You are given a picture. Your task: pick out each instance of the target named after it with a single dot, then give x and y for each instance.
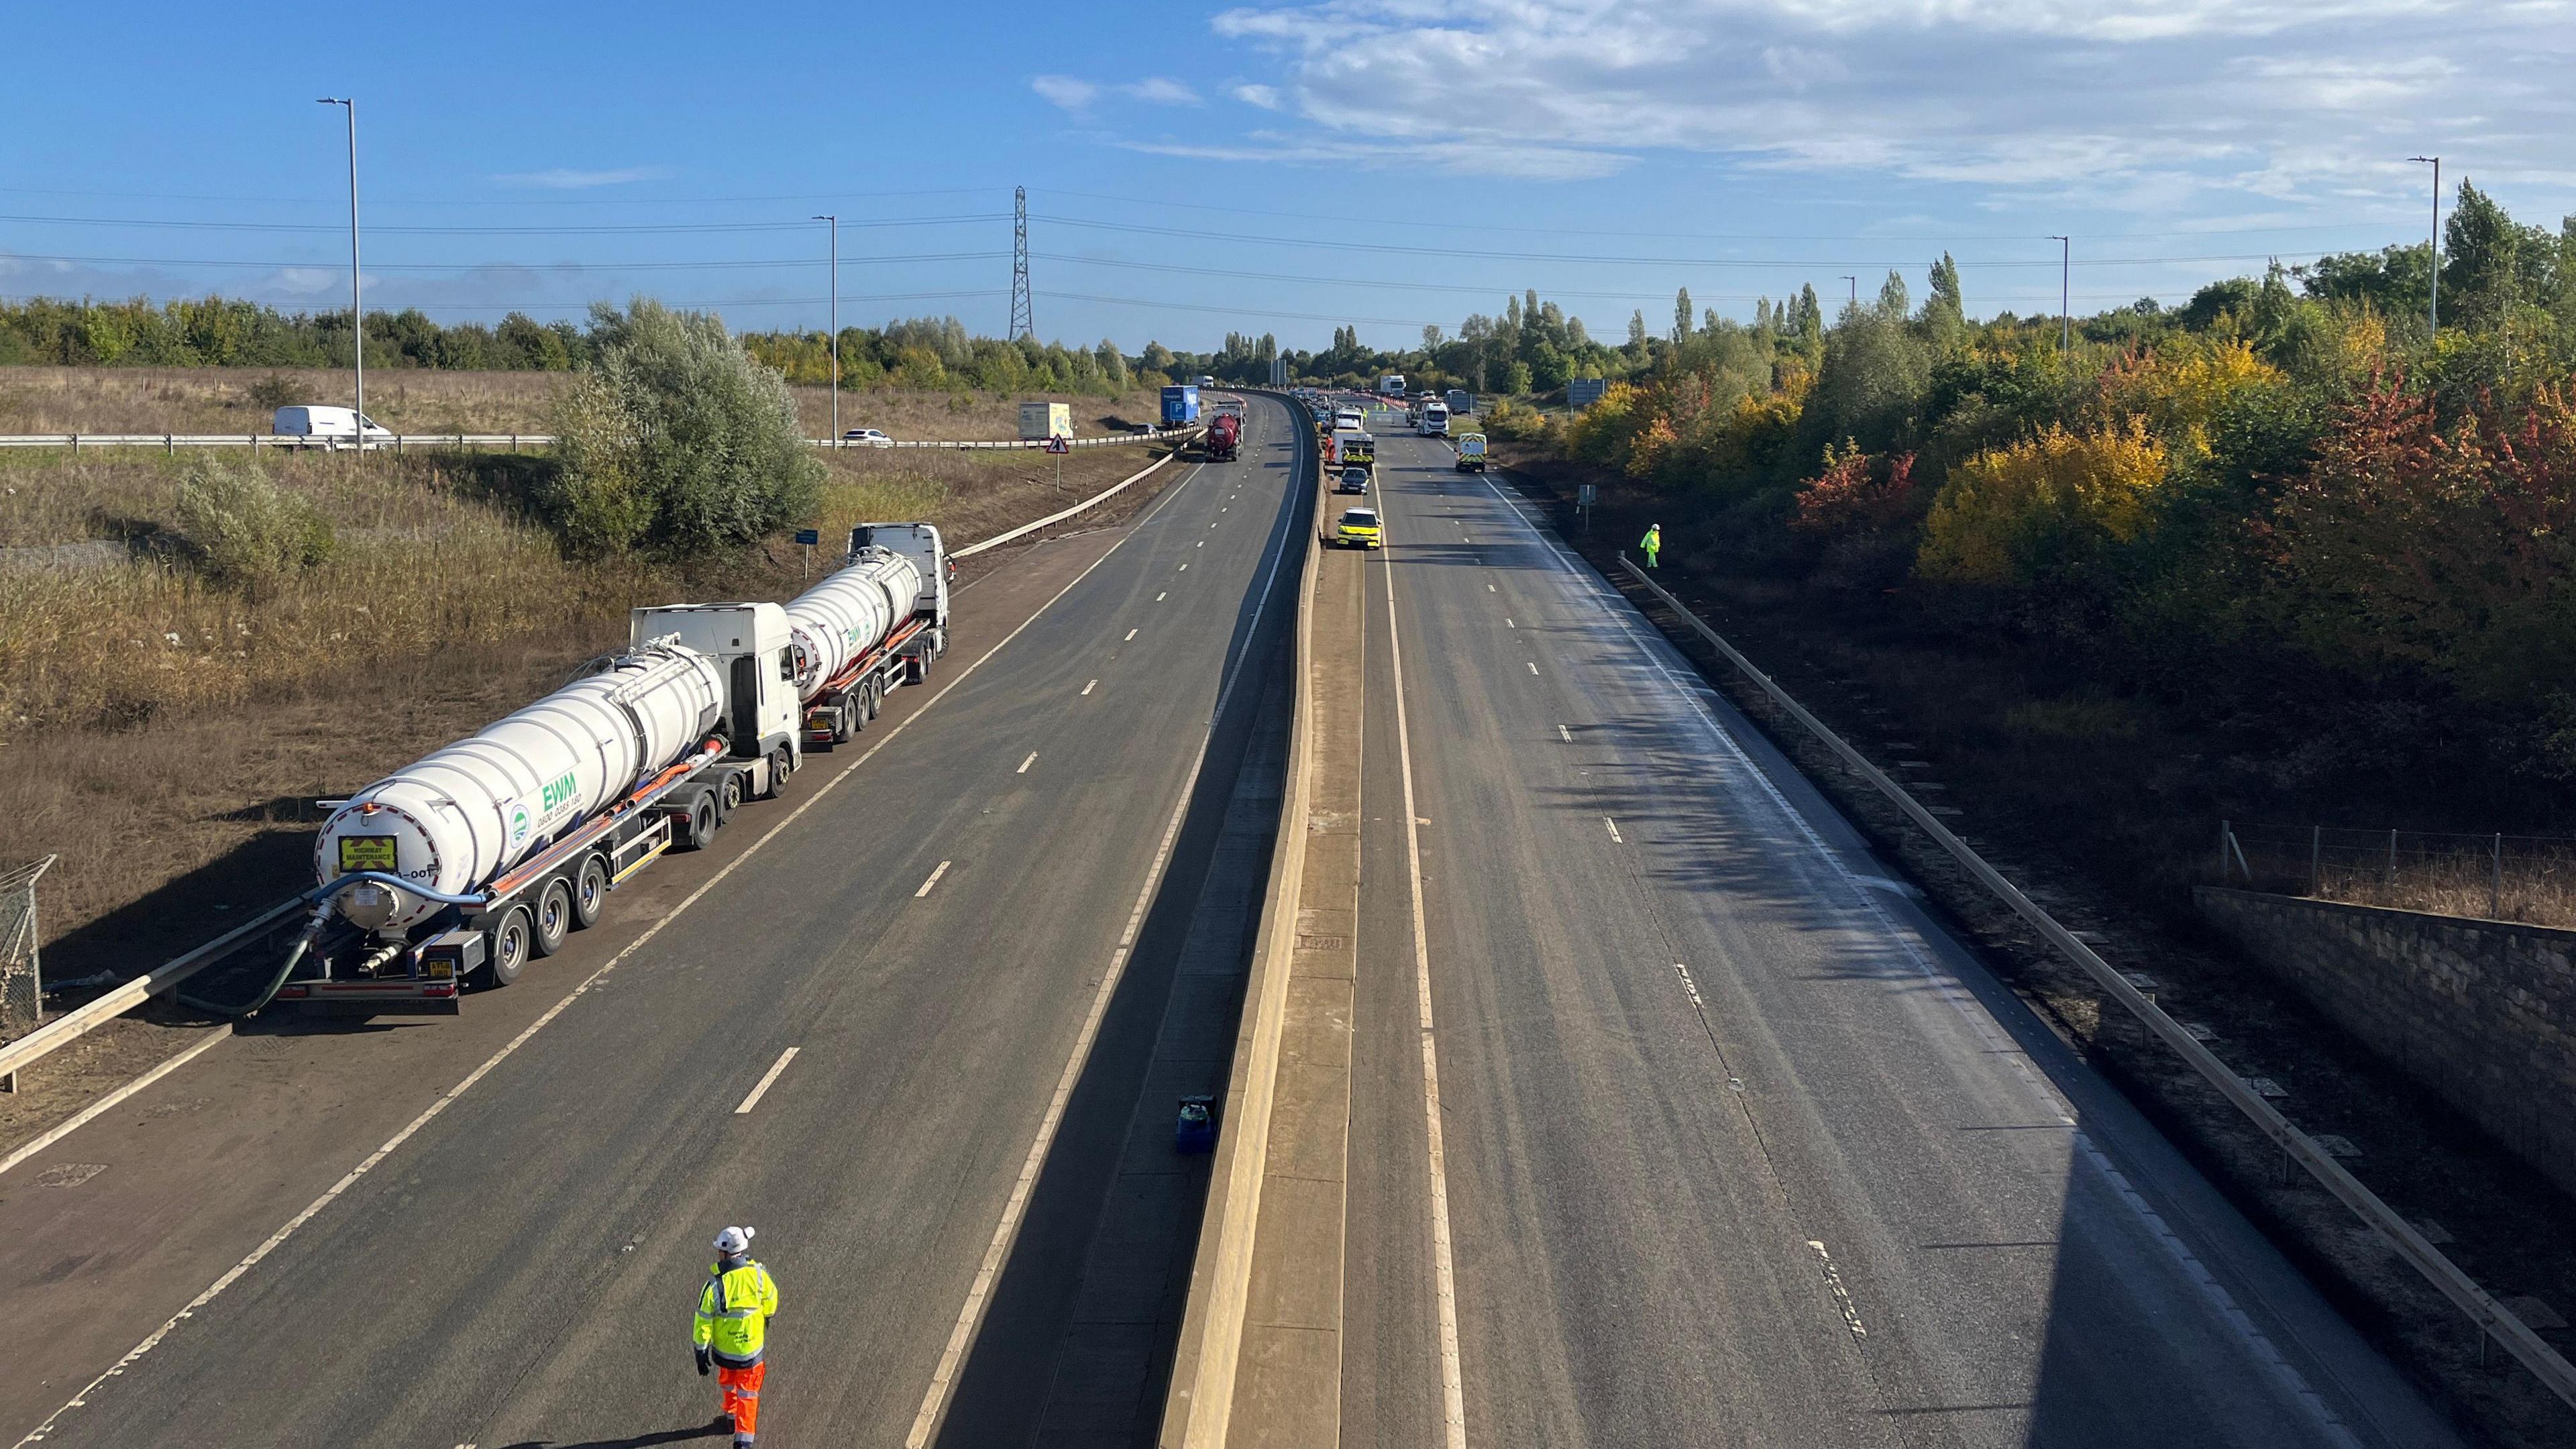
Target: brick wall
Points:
(2483, 1013)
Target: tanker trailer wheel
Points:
(589, 893)
(554, 917)
(509, 948)
(701, 826)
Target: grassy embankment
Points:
(164, 734)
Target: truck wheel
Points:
(700, 825)
(781, 764)
(509, 948)
(589, 893)
(554, 917)
(848, 720)
(729, 797)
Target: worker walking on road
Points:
(1652, 543)
(732, 1328)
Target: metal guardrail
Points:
(2533, 1352)
(403, 442)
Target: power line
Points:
(746, 265)
(1597, 259)
(264, 200)
(657, 228)
(1702, 235)
(679, 305)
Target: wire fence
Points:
(2526, 878)
(22, 982)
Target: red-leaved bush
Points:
(1857, 491)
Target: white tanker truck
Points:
(467, 863)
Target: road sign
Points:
(1583, 392)
(1058, 445)
(811, 535)
(1587, 494)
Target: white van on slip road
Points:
(324, 424)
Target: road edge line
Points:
(94, 1110)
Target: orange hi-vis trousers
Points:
(742, 1397)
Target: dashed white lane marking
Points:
(1089, 687)
(1690, 986)
(1834, 1284)
(766, 1078)
(1507, 622)
(1024, 764)
(1158, 598)
(934, 880)
(1202, 543)
(1952, 991)
(1132, 633)
(1220, 511)
(1567, 733)
(1185, 568)
(1533, 667)
(1614, 829)
(431, 1113)
(1489, 588)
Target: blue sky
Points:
(1278, 167)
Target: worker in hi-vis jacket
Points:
(732, 1329)
(1652, 543)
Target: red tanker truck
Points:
(1224, 436)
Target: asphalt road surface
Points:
(507, 1230)
(1740, 1148)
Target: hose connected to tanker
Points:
(487, 852)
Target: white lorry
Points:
(468, 863)
(1432, 421)
(1391, 386)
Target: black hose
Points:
(294, 958)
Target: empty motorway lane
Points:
(514, 1260)
(1738, 1147)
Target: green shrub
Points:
(246, 533)
(677, 441)
(274, 391)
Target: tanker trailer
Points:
(490, 851)
(871, 626)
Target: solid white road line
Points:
(1453, 1393)
(1086, 689)
(934, 880)
(934, 1401)
(546, 1018)
(1946, 985)
(766, 1078)
(98, 1108)
(1024, 764)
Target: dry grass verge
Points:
(413, 400)
(148, 765)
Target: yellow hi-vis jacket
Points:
(733, 1313)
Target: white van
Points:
(1434, 421)
(324, 424)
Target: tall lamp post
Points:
(2065, 293)
(836, 327)
(2433, 308)
(1855, 292)
(357, 305)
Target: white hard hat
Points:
(734, 1240)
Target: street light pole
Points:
(2065, 293)
(836, 327)
(2433, 308)
(357, 302)
(1855, 292)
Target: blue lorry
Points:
(1180, 405)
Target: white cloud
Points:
(1161, 91)
(564, 178)
(1065, 91)
(1266, 97)
(2151, 104)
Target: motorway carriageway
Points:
(1738, 1146)
(847, 1024)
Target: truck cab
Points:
(756, 656)
(929, 554)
